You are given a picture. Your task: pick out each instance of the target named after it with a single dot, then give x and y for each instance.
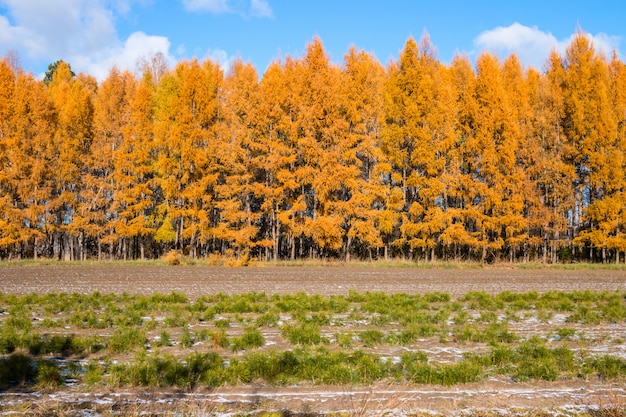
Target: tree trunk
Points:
(526, 253)
(276, 237)
(179, 236)
(81, 246)
(193, 246)
(56, 246)
(70, 241)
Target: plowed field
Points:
(497, 395)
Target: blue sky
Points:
(93, 35)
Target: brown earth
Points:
(198, 280)
(496, 396)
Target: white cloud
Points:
(125, 56)
(256, 8)
(123, 7)
(220, 57)
(61, 26)
(604, 43)
(212, 6)
(260, 8)
(82, 32)
(532, 45)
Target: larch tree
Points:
(284, 204)
(522, 194)
(72, 139)
(402, 135)
(187, 171)
(133, 173)
(361, 92)
(32, 153)
(101, 203)
(553, 177)
(10, 218)
(492, 152)
(239, 194)
(590, 135)
(538, 156)
(617, 159)
(275, 158)
(417, 136)
(446, 210)
(461, 192)
(322, 173)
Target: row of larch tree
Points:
(421, 159)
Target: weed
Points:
(149, 324)
(414, 332)
(251, 338)
(417, 369)
(126, 339)
(48, 374)
(344, 339)
(186, 339)
(566, 332)
(536, 361)
(222, 323)
(269, 319)
(479, 300)
(15, 370)
(163, 339)
(487, 317)
(48, 323)
(94, 373)
(545, 315)
(302, 334)
(320, 319)
(371, 337)
(497, 333)
(609, 367)
(219, 339)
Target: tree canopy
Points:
(419, 159)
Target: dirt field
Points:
(198, 280)
(500, 396)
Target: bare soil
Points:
(499, 396)
(198, 280)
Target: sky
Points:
(95, 35)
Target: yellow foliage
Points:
(165, 233)
(173, 257)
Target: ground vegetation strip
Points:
(170, 340)
(419, 159)
(115, 340)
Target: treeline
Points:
(420, 159)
